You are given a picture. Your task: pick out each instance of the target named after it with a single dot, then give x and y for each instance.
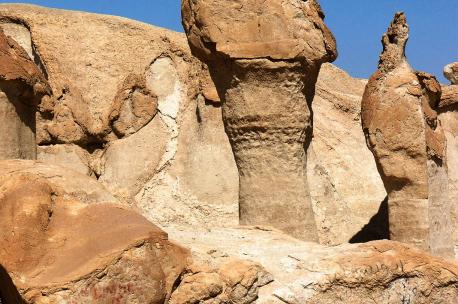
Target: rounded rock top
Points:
(255, 29)
(451, 72)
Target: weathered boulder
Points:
(408, 144)
(301, 272)
(57, 248)
(265, 59)
(451, 72)
(21, 88)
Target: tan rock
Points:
(194, 179)
(451, 72)
(21, 88)
(267, 140)
(381, 271)
(58, 249)
(408, 144)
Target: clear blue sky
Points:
(357, 25)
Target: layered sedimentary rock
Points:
(58, 248)
(265, 59)
(376, 272)
(408, 143)
(448, 115)
(21, 88)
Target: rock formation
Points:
(451, 72)
(265, 59)
(179, 168)
(306, 273)
(21, 88)
(448, 116)
(408, 144)
(57, 248)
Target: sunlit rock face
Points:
(408, 143)
(21, 88)
(265, 73)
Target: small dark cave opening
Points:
(377, 228)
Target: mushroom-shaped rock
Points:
(264, 57)
(59, 249)
(21, 88)
(408, 143)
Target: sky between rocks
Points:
(357, 24)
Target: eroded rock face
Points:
(451, 72)
(21, 88)
(408, 144)
(266, 103)
(448, 116)
(302, 272)
(58, 248)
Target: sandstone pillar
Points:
(264, 57)
(448, 116)
(408, 143)
(21, 88)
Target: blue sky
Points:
(357, 25)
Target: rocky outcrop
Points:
(59, 248)
(21, 88)
(408, 144)
(451, 72)
(179, 167)
(265, 73)
(379, 272)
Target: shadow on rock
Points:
(377, 228)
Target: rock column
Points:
(408, 143)
(21, 88)
(264, 59)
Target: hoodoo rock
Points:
(264, 58)
(408, 143)
(58, 249)
(21, 88)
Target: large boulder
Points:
(58, 248)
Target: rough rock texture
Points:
(409, 146)
(21, 88)
(377, 272)
(194, 180)
(265, 59)
(451, 72)
(57, 248)
(448, 116)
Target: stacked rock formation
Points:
(264, 59)
(408, 143)
(21, 88)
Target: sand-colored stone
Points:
(385, 272)
(408, 144)
(186, 174)
(451, 72)
(58, 249)
(21, 88)
(266, 102)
